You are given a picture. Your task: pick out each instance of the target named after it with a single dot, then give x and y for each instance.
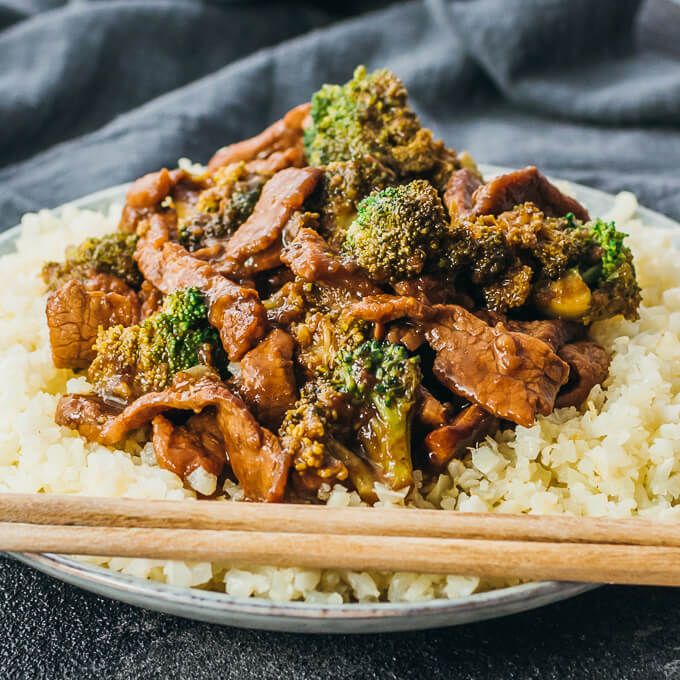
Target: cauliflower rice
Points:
(619, 455)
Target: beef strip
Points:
(385, 308)
(151, 299)
(588, 366)
(278, 137)
(255, 454)
(403, 334)
(76, 311)
(431, 412)
(554, 332)
(267, 382)
(145, 195)
(236, 312)
(528, 184)
(510, 374)
(294, 157)
(180, 449)
(465, 430)
(256, 244)
(310, 258)
(459, 190)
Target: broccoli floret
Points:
(223, 208)
(397, 230)
(613, 253)
(600, 284)
(370, 116)
(325, 330)
(133, 360)
(478, 249)
(382, 380)
(612, 277)
(110, 254)
(342, 186)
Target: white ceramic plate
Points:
(297, 616)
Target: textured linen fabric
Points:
(94, 94)
(97, 93)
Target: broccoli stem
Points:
(386, 439)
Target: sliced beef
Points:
(76, 311)
(260, 235)
(236, 312)
(267, 382)
(385, 308)
(146, 194)
(449, 441)
(310, 258)
(554, 332)
(459, 190)
(402, 334)
(181, 449)
(431, 290)
(509, 374)
(86, 413)
(431, 412)
(513, 375)
(588, 366)
(151, 299)
(254, 453)
(278, 137)
(294, 157)
(520, 186)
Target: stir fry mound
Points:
(341, 299)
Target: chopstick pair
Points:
(598, 550)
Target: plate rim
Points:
(253, 612)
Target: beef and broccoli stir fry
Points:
(340, 299)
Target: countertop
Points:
(51, 630)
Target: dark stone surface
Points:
(51, 630)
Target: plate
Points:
(300, 617)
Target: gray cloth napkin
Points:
(93, 94)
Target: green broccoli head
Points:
(613, 253)
(382, 380)
(133, 360)
(600, 282)
(342, 186)
(370, 116)
(612, 277)
(397, 230)
(110, 254)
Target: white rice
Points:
(617, 456)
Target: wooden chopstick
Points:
(588, 562)
(292, 518)
(632, 551)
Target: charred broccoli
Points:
(133, 360)
(382, 380)
(600, 284)
(397, 230)
(370, 116)
(572, 270)
(110, 254)
(222, 208)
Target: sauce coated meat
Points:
(340, 299)
(254, 453)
